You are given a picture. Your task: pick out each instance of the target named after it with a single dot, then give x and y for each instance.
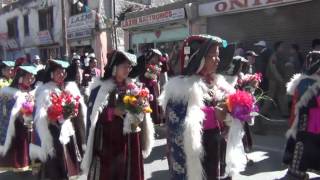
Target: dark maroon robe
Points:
(17, 157)
(115, 156)
(156, 109)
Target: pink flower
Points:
(131, 86)
(135, 92)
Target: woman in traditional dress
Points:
(148, 72)
(194, 125)
(113, 153)
(62, 140)
(233, 75)
(7, 73)
(303, 147)
(17, 102)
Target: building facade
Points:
(31, 27)
(249, 21)
(246, 21)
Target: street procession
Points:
(159, 90)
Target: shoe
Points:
(290, 176)
(250, 162)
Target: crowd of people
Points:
(68, 120)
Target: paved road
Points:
(267, 156)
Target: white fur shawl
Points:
(16, 94)
(41, 123)
(101, 101)
(190, 90)
(304, 99)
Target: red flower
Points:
(55, 112)
(144, 92)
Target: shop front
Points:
(291, 21)
(163, 30)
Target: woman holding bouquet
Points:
(148, 71)
(60, 123)
(118, 138)
(16, 103)
(195, 126)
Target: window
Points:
(46, 19)
(76, 9)
(13, 31)
(26, 25)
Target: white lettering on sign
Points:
(233, 6)
(159, 17)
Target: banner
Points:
(155, 18)
(233, 6)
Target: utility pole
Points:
(64, 30)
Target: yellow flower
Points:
(147, 110)
(133, 100)
(126, 99)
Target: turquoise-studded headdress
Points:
(196, 47)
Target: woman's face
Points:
(59, 75)
(211, 61)
(123, 70)
(28, 79)
(154, 60)
(8, 72)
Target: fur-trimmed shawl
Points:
(190, 91)
(42, 97)
(100, 102)
(304, 98)
(11, 93)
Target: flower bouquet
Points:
(250, 81)
(152, 73)
(26, 111)
(63, 107)
(241, 105)
(136, 103)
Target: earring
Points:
(20, 80)
(51, 75)
(114, 70)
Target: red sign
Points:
(233, 6)
(159, 17)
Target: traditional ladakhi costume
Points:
(196, 147)
(16, 128)
(303, 147)
(4, 81)
(152, 82)
(114, 152)
(61, 143)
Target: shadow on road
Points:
(160, 175)
(17, 176)
(158, 152)
(272, 162)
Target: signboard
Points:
(81, 33)
(44, 37)
(81, 25)
(82, 21)
(232, 6)
(155, 18)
